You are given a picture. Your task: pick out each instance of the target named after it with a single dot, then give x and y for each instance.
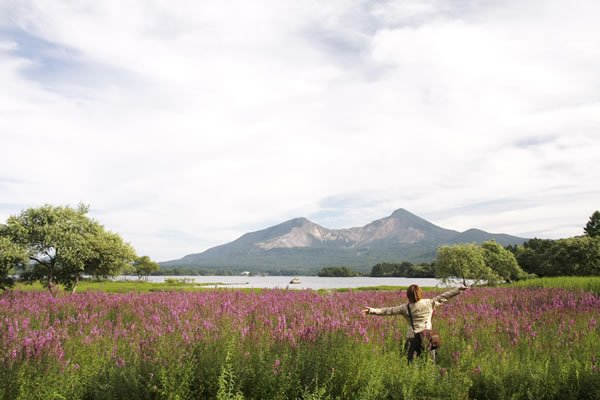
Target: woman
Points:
(418, 312)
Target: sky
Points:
(185, 124)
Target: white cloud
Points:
(186, 124)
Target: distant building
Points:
(246, 273)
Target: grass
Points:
(582, 283)
(187, 286)
(130, 286)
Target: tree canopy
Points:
(144, 266)
(62, 244)
(578, 255)
(463, 262)
(403, 269)
(592, 228)
(12, 256)
(488, 262)
(501, 261)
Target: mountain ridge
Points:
(301, 244)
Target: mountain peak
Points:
(297, 221)
(401, 212)
(297, 232)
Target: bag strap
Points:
(411, 320)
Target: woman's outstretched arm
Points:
(386, 310)
(444, 297)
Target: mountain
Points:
(300, 245)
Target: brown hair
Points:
(414, 293)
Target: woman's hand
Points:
(365, 311)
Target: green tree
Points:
(110, 255)
(592, 228)
(532, 256)
(404, 269)
(464, 262)
(424, 270)
(144, 266)
(501, 261)
(63, 243)
(391, 269)
(12, 256)
(574, 256)
(383, 269)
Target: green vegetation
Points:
(488, 262)
(592, 228)
(463, 261)
(62, 244)
(222, 271)
(144, 266)
(403, 269)
(191, 271)
(337, 272)
(576, 256)
(11, 255)
(589, 284)
(502, 262)
(133, 286)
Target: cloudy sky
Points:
(184, 124)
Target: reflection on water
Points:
(305, 282)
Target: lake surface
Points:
(306, 282)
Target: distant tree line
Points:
(384, 269)
(338, 272)
(576, 256)
(223, 271)
(192, 271)
(403, 269)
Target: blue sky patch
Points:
(56, 66)
(49, 60)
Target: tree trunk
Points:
(75, 284)
(51, 286)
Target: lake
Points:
(306, 282)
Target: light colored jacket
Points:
(421, 311)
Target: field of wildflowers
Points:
(498, 343)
